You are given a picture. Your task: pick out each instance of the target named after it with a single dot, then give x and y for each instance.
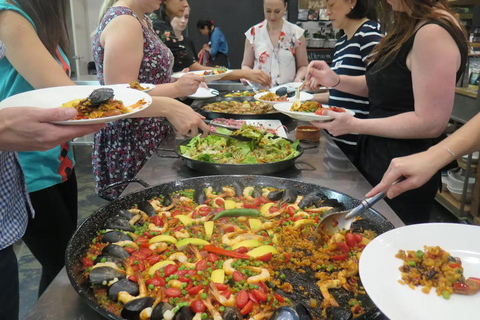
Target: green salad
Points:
(264, 147)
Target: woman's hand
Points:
(185, 120)
(258, 76)
(321, 74)
(31, 129)
(297, 79)
(341, 124)
(417, 169)
(188, 84)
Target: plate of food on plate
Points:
(308, 110)
(204, 93)
(145, 87)
(208, 75)
(273, 126)
(432, 268)
(246, 93)
(94, 104)
(272, 98)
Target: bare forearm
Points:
(356, 85)
(165, 90)
(301, 72)
(160, 108)
(321, 97)
(402, 126)
(197, 66)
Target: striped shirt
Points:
(349, 59)
(13, 200)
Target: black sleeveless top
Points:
(391, 93)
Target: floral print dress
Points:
(279, 62)
(123, 147)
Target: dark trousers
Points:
(9, 292)
(55, 222)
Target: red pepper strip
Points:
(455, 265)
(224, 252)
(342, 247)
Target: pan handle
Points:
(167, 155)
(308, 166)
(310, 144)
(103, 192)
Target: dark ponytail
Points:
(364, 8)
(162, 12)
(285, 2)
(201, 24)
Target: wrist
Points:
(440, 155)
(338, 82)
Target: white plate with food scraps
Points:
(285, 107)
(379, 271)
(202, 73)
(203, 93)
(55, 97)
(304, 96)
(274, 125)
(291, 85)
(147, 87)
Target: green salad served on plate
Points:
(264, 147)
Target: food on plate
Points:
(314, 107)
(217, 70)
(273, 97)
(266, 148)
(243, 93)
(225, 252)
(238, 125)
(435, 268)
(99, 104)
(236, 107)
(136, 85)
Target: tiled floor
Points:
(88, 202)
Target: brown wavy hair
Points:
(50, 20)
(400, 26)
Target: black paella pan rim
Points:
(80, 241)
(239, 169)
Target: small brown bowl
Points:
(310, 133)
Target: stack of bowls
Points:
(456, 181)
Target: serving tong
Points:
(239, 138)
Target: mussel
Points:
(118, 223)
(309, 200)
(117, 251)
(290, 196)
(200, 196)
(122, 285)
(115, 236)
(103, 275)
(303, 312)
(167, 200)
(159, 311)
(132, 309)
(184, 313)
(337, 313)
(232, 314)
(285, 313)
(238, 187)
(108, 258)
(257, 192)
(125, 214)
(275, 195)
(98, 97)
(146, 207)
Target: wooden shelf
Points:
(452, 204)
(474, 44)
(460, 3)
(465, 92)
(465, 16)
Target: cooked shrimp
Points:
(185, 200)
(125, 297)
(153, 227)
(297, 201)
(227, 267)
(263, 276)
(195, 251)
(265, 192)
(302, 214)
(134, 219)
(329, 284)
(182, 258)
(230, 302)
(321, 209)
(213, 311)
(350, 271)
(226, 239)
(209, 193)
(141, 213)
(158, 247)
(146, 313)
(273, 214)
(229, 191)
(219, 199)
(267, 225)
(337, 237)
(125, 243)
(247, 193)
(181, 234)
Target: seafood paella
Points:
(237, 107)
(99, 104)
(435, 268)
(232, 253)
(312, 106)
(273, 97)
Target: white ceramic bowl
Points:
(456, 179)
(457, 194)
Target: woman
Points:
(358, 19)
(125, 48)
(276, 46)
(184, 59)
(179, 24)
(217, 46)
(410, 82)
(420, 167)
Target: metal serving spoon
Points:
(251, 86)
(337, 221)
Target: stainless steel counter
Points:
(324, 165)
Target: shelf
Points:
(474, 45)
(460, 3)
(452, 204)
(465, 16)
(465, 92)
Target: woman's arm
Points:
(214, 44)
(321, 97)
(420, 167)
(27, 54)
(301, 60)
(434, 61)
(248, 56)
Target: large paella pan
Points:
(222, 247)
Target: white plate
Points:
(203, 93)
(291, 85)
(270, 124)
(379, 271)
(148, 87)
(284, 107)
(208, 78)
(304, 96)
(56, 96)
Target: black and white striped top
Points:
(350, 59)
